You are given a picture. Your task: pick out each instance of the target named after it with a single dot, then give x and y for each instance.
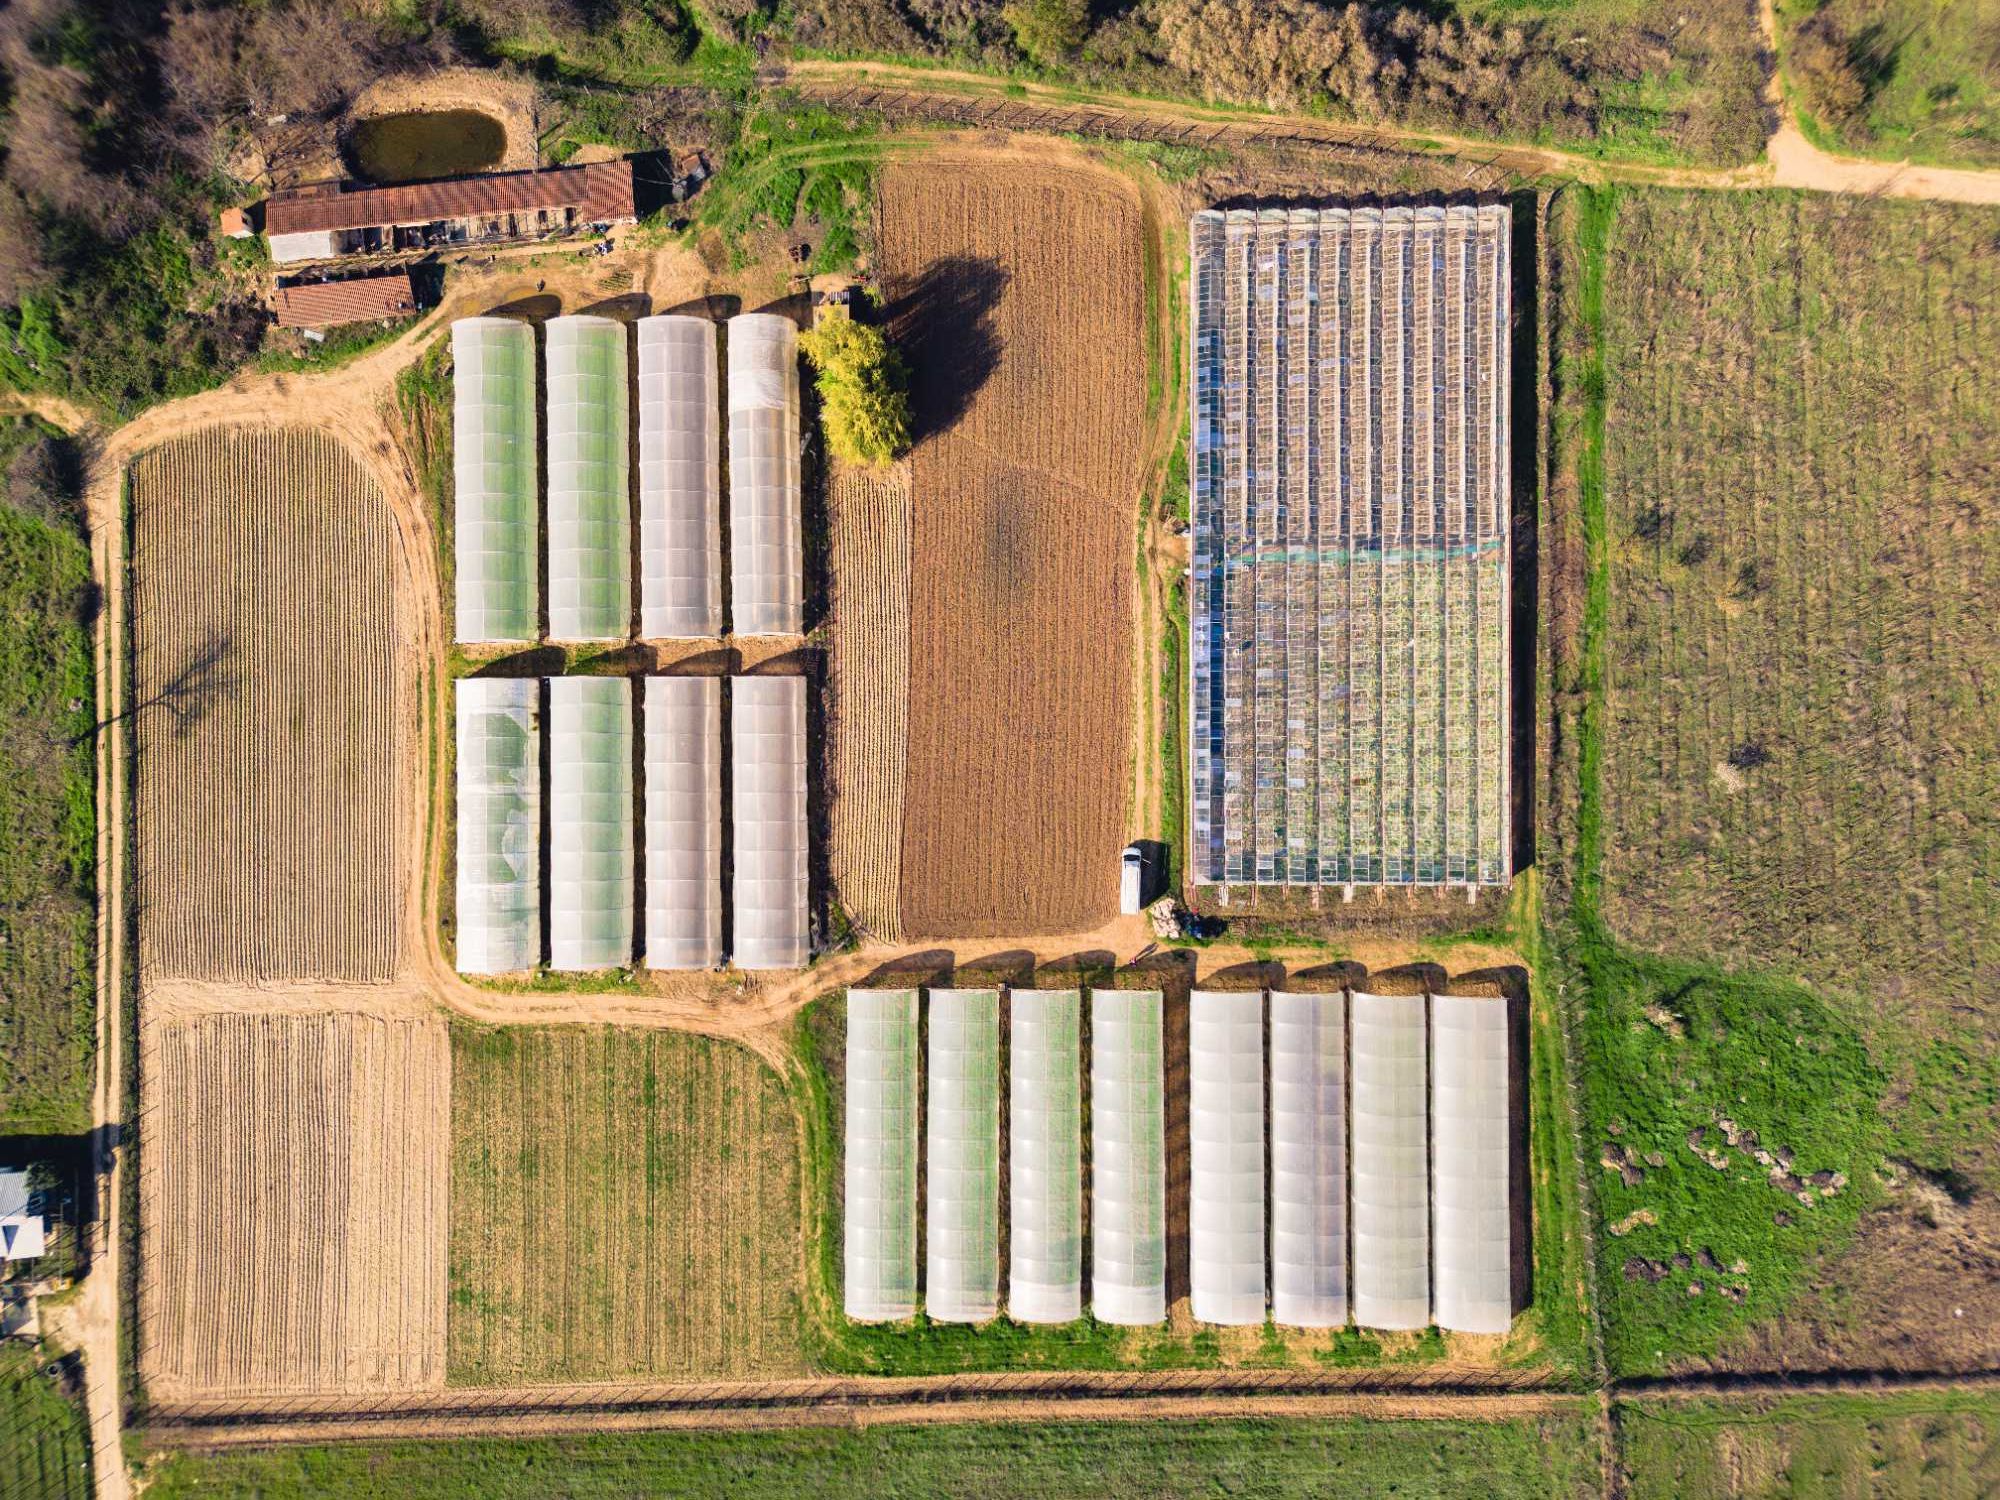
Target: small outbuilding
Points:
(364, 299)
(23, 1235)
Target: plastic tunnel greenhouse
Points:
(1309, 1160)
(767, 719)
(683, 822)
(496, 538)
(1469, 1165)
(766, 551)
(590, 822)
(1392, 1286)
(499, 824)
(1226, 1167)
(880, 1242)
(590, 502)
(962, 1158)
(680, 516)
(1128, 1168)
(1045, 1158)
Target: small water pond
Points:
(436, 143)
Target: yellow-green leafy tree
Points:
(863, 391)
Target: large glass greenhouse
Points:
(880, 1240)
(962, 1158)
(590, 822)
(1392, 1277)
(680, 505)
(1309, 1159)
(767, 718)
(683, 822)
(1045, 1157)
(496, 541)
(499, 928)
(1469, 1164)
(590, 502)
(1226, 1163)
(766, 548)
(1128, 1166)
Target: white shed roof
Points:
(1045, 1157)
(880, 1242)
(766, 546)
(962, 1158)
(1309, 1160)
(680, 505)
(1391, 1176)
(590, 822)
(499, 928)
(1226, 1167)
(767, 718)
(1469, 1151)
(683, 822)
(1128, 1170)
(495, 533)
(590, 501)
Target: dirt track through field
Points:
(273, 709)
(293, 1204)
(869, 717)
(1025, 486)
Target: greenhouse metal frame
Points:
(499, 928)
(1391, 1172)
(683, 718)
(1309, 1159)
(1128, 1170)
(1351, 519)
(591, 884)
(590, 497)
(1045, 1157)
(767, 722)
(680, 479)
(1226, 1156)
(962, 1158)
(766, 541)
(1470, 1144)
(879, 1245)
(496, 542)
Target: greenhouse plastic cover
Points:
(680, 500)
(499, 824)
(1309, 1160)
(590, 501)
(1469, 1166)
(1391, 1175)
(766, 554)
(590, 822)
(880, 1243)
(1226, 1138)
(767, 720)
(496, 542)
(1045, 1157)
(1128, 1169)
(962, 1158)
(683, 822)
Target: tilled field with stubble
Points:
(1018, 295)
(271, 712)
(292, 1204)
(868, 720)
(625, 1204)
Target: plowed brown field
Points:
(271, 709)
(1018, 292)
(869, 718)
(292, 1203)
(624, 1204)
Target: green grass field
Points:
(48, 823)
(1539, 1459)
(44, 1443)
(1912, 1446)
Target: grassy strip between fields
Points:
(1937, 1445)
(44, 1444)
(1540, 1458)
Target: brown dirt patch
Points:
(293, 1204)
(272, 709)
(1018, 293)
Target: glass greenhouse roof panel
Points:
(1309, 1160)
(680, 484)
(1391, 1175)
(767, 718)
(590, 823)
(590, 501)
(1470, 1186)
(1128, 1167)
(496, 539)
(879, 1246)
(962, 1158)
(683, 822)
(1045, 1157)
(499, 929)
(766, 546)
(1226, 1156)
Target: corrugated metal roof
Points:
(321, 304)
(599, 190)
